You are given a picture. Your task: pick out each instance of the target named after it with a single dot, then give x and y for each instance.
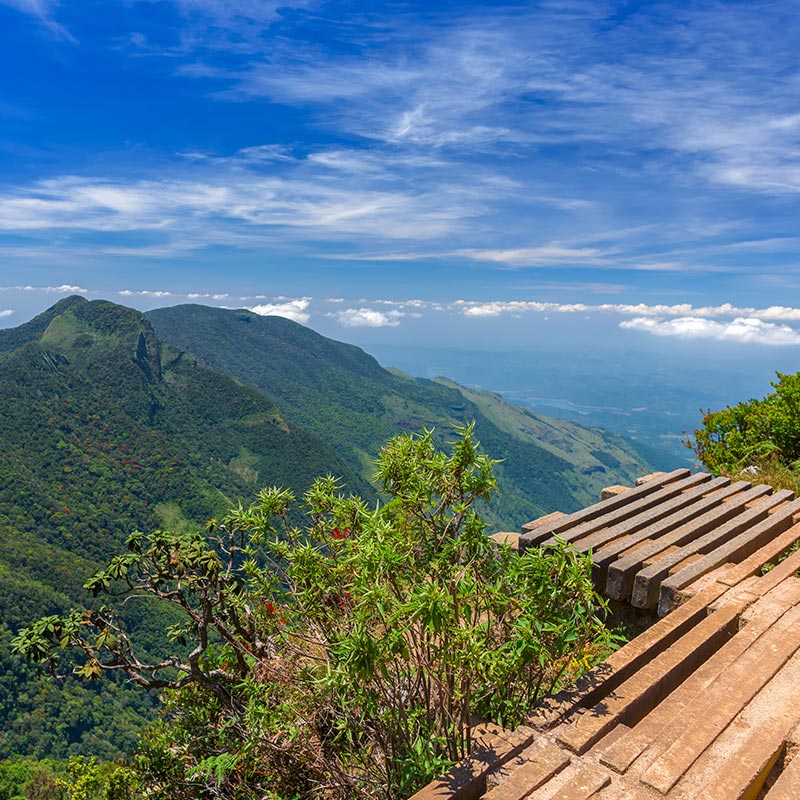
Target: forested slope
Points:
(112, 421)
(343, 395)
(104, 431)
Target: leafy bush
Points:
(764, 434)
(28, 779)
(346, 659)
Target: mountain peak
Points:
(89, 330)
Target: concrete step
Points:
(536, 532)
(665, 515)
(738, 762)
(579, 781)
(726, 698)
(601, 681)
(532, 768)
(640, 513)
(667, 720)
(621, 572)
(735, 550)
(638, 695)
(467, 780)
(770, 553)
(647, 583)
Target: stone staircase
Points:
(706, 702)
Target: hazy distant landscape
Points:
(649, 396)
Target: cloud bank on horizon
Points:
(723, 323)
(545, 153)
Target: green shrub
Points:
(346, 659)
(761, 436)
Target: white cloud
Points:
(266, 152)
(536, 256)
(380, 256)
(715, 89)
(6, 312)
(436, 86)
(495, 308)
(213, 296)
(742, 329)
(367, 318)
(146, 293)
(63, 289)
(296, 310)
(465, 105)
(236, 208)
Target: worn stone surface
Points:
(623, 663)
(613, 491)
(719, 706)
(467, 779)
(703, 704)
(732, 502)
(649, 579)
(633, 515)
(534, 767)
(536, 532)
(637, 696)
(736, 549)
(505, 537)
(651, 476)
(668, 719)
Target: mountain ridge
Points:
(357, 403)
(105, 430)
(111, 422)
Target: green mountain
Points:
(111, 421)
(104, 430)
(344, 396)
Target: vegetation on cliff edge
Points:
(760, 437)
(348, 658)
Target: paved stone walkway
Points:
(706, 702)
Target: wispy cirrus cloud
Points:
(43, 11)
(568, 137)
(539, 256)
(207, 209)
(544, 76)
(208, 26)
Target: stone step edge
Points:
(466, 780)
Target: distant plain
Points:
(653, 396)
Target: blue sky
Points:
(418, 167)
